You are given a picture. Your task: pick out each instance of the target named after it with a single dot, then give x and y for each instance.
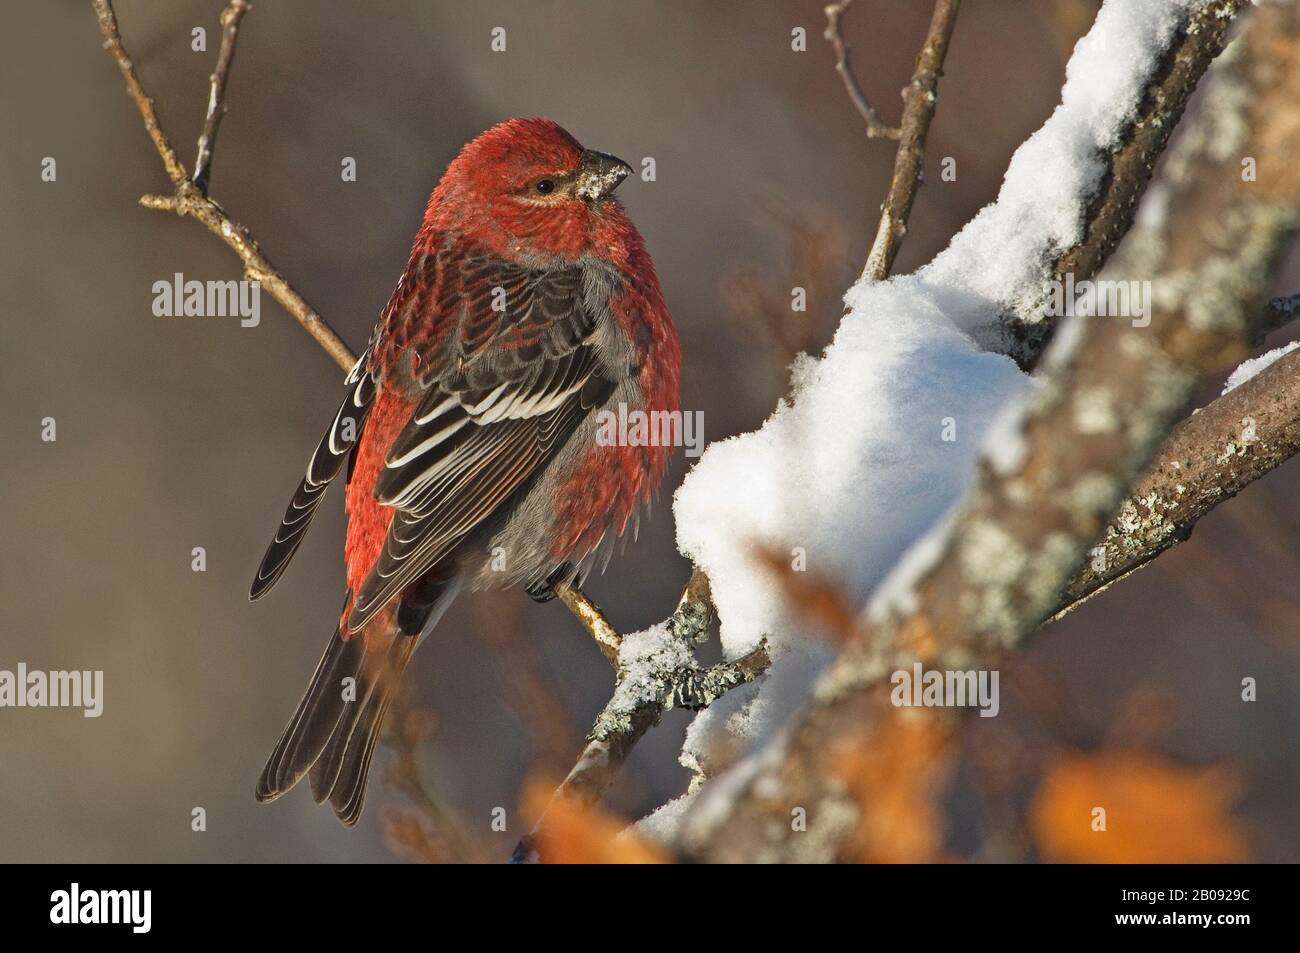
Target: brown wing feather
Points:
(516, 376)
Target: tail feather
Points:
(310, 727)
(332, 735)
(346, 761)
(329, 762)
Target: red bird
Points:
(528, 307)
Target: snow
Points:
(996, 264)
(896, 594)
(1256, 365)
(660, 826)
(643, 659)
(851, 473)
(854, 473)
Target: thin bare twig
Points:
(230, 18)
(877, 128)
(606, 637)
(190, 200)
(920, 97)
(113, 44)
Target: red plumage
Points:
(529, 306)
(368, 519)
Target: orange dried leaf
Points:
(821, 601)
(577, 834)
(1156, 811)
(897, 777)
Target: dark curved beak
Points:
(599, 175)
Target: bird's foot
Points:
(544, 590)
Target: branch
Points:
(606, 637)
(1111, 393)
(920, 97)
(230, 18)
(1211, 457)
(1020, 538)
(655, 675)
(1129, 164)
(113, 44)
(877, 128)
(1249, 431)
(189, 199)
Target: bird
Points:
(529, 309)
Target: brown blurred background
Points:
(183, 432)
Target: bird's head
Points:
(529, 191)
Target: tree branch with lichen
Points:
(1027, 524)
(1128, 164)
(1244, 434)
(656, 671)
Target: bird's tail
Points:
(333, 733)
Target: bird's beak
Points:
(599, 174)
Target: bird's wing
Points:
(334, 448)
(507, 381)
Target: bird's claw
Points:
(544, 590)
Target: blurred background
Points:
(174, 433)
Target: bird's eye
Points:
(544, 186)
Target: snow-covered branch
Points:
(1055, 470)
(883, 432)
(1210, 188)
(1124, 159)
(657, 671)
